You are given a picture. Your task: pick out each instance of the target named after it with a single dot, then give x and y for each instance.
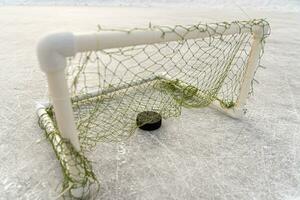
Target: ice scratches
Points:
(119, 161)
(292, 97)
(158, 178)
(171, 154)
(293, 102)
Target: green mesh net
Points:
(110, 87)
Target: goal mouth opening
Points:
(110, 87)
(110, 114)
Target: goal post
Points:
(251, 66)
(190, 66)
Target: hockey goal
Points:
(99, 82)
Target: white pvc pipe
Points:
(62, 152)
(235, 112)
(251, 67)
(118, 39)
(52, 51)
(59, 92)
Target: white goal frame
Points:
(53, 49)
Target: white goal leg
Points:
(251, 66)
(52, 53)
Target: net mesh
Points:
(110, 87)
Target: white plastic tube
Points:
(251, 67)
(113, 39)
(52, 51)
(63, 108)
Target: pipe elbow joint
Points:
(261, 30)
(53, 49)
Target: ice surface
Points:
(279, 5)
(202, 155)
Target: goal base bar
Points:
(234, 112)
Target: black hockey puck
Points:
(148, 120)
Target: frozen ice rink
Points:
(201, 155)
